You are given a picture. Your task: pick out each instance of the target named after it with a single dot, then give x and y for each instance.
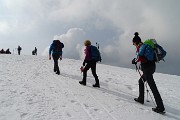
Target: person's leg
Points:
(141, 88)
(56, 67)
(140, 99)
(58, 71)
(86, 68)
(93, 69)
(155, 92)
(150, 80)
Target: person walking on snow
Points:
(148, 69)
(89, 63)
(56, 49)
(19, 50)
(35, 51)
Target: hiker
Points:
(7, 51)
(148, 68)
(2, 51)
(56, 49)
(35, 51)
(89, 62)
(19, 49)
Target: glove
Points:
(49, 56)
(134, 61)
(81, 68)
(84, 63)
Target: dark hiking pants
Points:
(19, 52)
(56, 58)
(148, 70)
(91, 64)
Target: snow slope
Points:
(30, 90)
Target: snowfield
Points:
(30, 90)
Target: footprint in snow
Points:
(73, 101)
(69, 115)
(129, 87)
(23, 115)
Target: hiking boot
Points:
(82, 82)
(139, 101)
(58, 73)
(159, 110)
(96, 85)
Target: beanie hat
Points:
(136, 38)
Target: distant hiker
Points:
(34, 52)
(89, 62)
(148, 68)
(2, 51)
(7, 51)
(19, 50)
(56, 49)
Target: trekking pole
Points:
(145, 86)
(97, 45)
(147, 92)
(81, 69)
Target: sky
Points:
(30, 90)
(111, 24)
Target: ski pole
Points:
(145, 86)
(147, 93)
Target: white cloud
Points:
(4, 27)
(109, 50)
(45, 51)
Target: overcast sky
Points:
(111, 23)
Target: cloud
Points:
(4, 27)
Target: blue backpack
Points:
(95, 54)
(160, 53)
(154, 51)
(57, 48)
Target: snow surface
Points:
(30, 90)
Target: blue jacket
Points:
(51, 49)
(146, 51)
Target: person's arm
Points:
(50, 50)
(86, 57)
(62, 45)
(140, 57)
